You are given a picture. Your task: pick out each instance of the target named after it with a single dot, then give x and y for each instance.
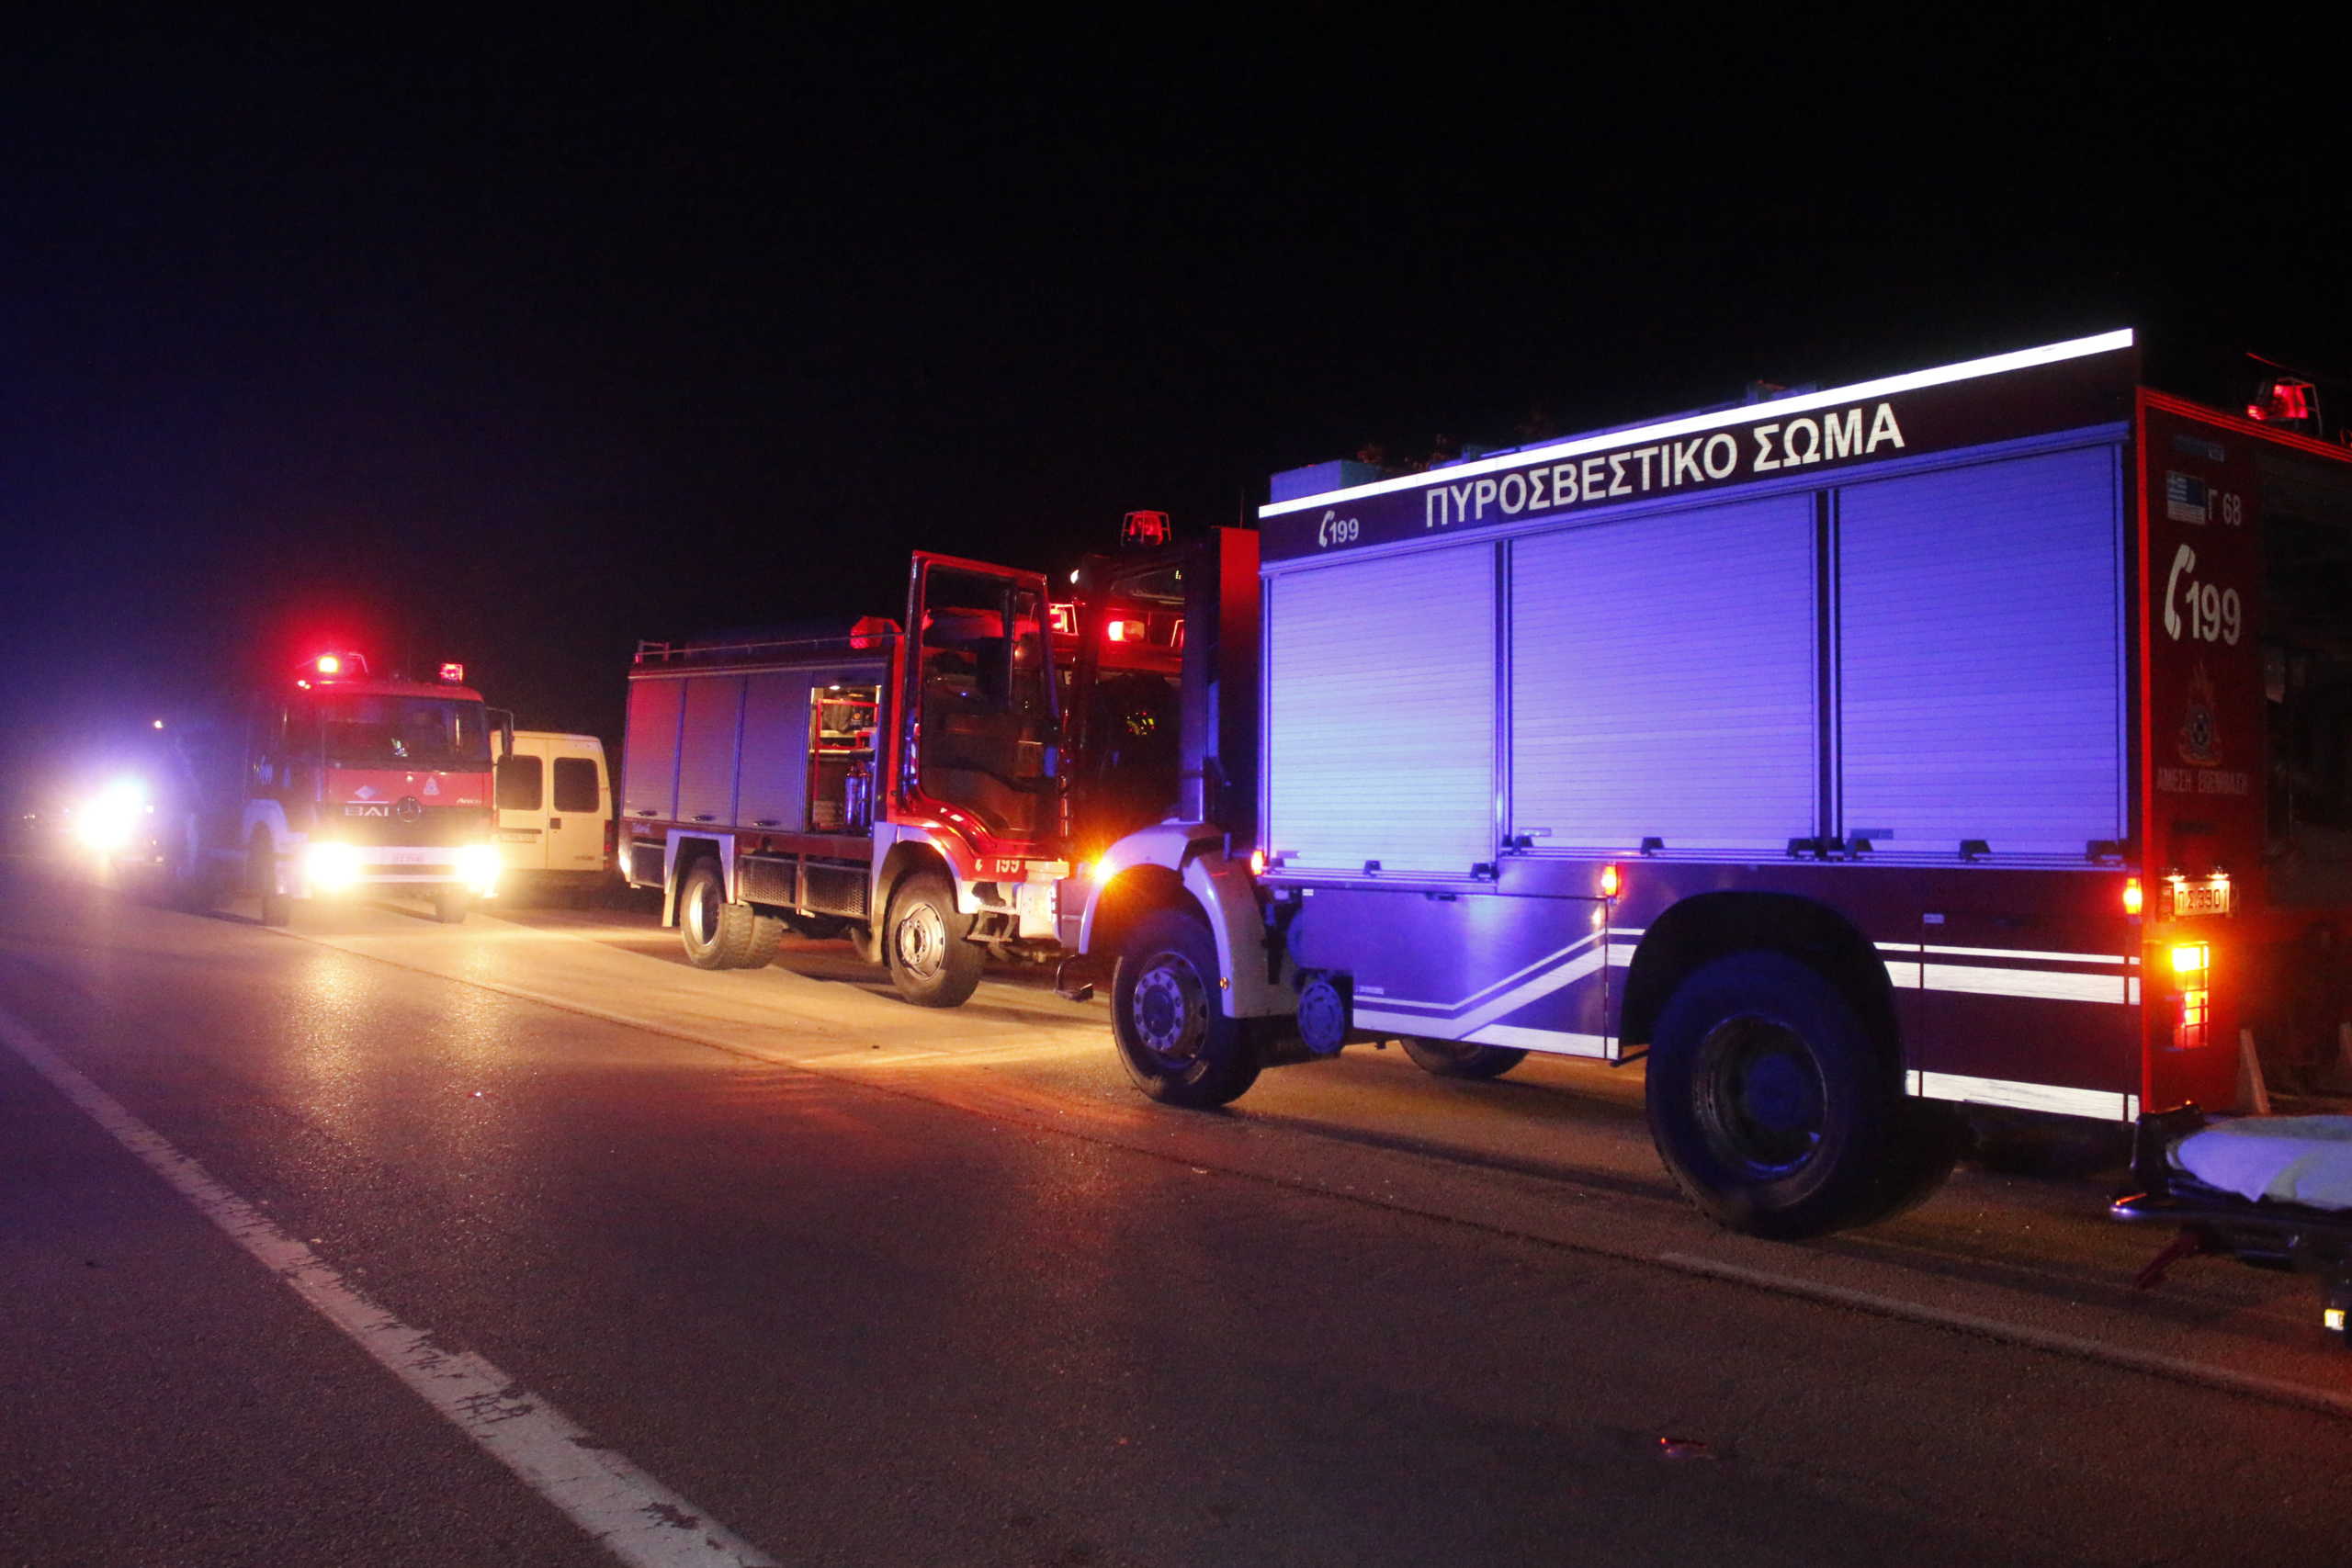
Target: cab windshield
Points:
(365, 731)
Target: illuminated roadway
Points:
(377, 1241)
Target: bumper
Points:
(329, 869)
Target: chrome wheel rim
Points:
(1169, 1009)
(920, 940)
(1762, 1103)
(702, 915)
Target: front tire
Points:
(925, 945)
(1460, 1059)
(451, 908)
(1167, 1017)
(717, 934)
(1774, 1106)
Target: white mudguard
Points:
(1227, 895)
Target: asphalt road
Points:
(770, 1266)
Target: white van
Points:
(555, 815)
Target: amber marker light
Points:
(1611, 881)
(1257, 862)
(2133, 899)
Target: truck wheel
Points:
(1772, 1104)
(923, 943)
(1166, 1015)
(261, 875)
(450, 908)
(717, 934)
(1460, 1059)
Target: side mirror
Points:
(505, 720)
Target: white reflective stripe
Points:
(1558, 1042)
(2041, 984)
(1475, 997)
(1510, 1001)
(2106, 1104)
(1403, 1023)
(1913, 949)
(1543, 985)
(1781, 408)
(2020, 952)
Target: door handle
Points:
(553, 823)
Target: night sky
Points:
(517, 347)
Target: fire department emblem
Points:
(2199, 739)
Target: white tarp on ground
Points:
(2289, 1159)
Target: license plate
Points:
(410, 857)
(2211, 897)
(518, 835)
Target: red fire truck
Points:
(896, 783)
(914, 788)
(1980, 736)
(335, 782)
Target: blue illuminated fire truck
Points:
(1975, 737)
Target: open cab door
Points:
(979, 722)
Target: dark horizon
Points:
(517, 352)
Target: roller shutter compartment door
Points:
(773, 785)
(1982, 689)
(649, 763)
(1663, 682)
(706, 749)
(1380, 712)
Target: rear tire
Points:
(1774, 1106)
(1460, 1059)
(924, 944)
(717, 934)
(1167, 1017)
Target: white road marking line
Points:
(635, 1517)
(2173, 1367)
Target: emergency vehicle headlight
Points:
(107, 823)
(478, 868)
(330, 867)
